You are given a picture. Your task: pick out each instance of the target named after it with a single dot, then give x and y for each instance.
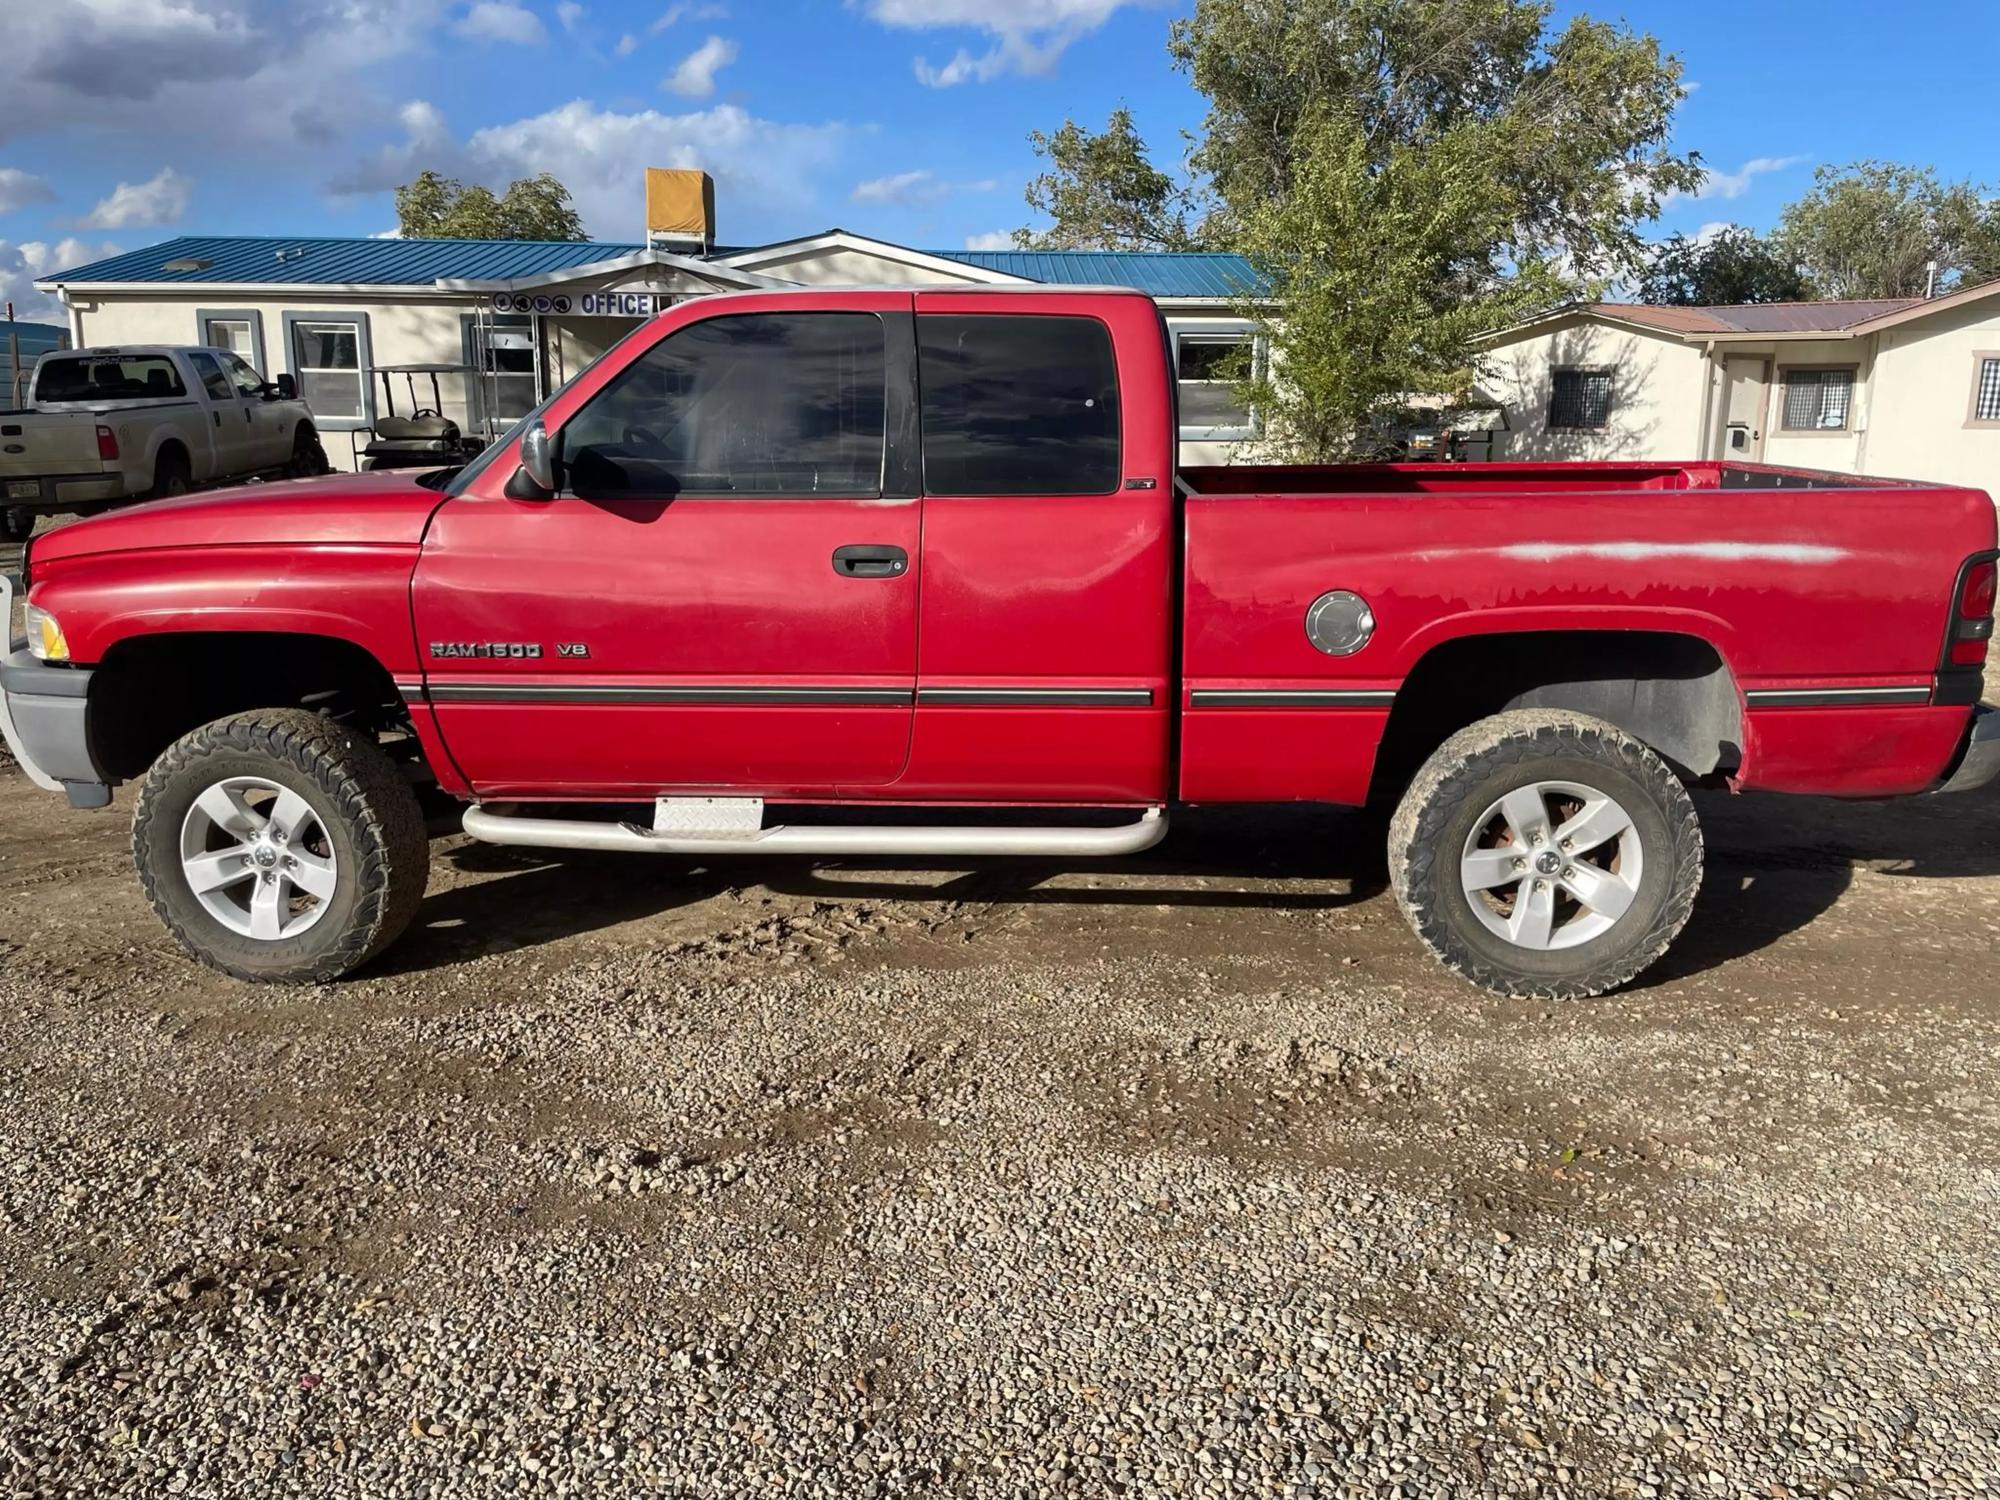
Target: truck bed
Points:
(1824, 603)
(1514, 478)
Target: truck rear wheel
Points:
(281, 847)
(1545, 855)
(17, 523)
(171, 475)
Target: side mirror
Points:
(538, 466)
(287, 387)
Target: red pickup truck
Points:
(854, 550)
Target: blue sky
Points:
(129, 121)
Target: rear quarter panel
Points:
(1793, 588)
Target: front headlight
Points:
(45, 637)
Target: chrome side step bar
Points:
(576, 833)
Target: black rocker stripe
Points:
(1293, 697)
(1835, 697)
(1036, 697)
(581, 692)
(515, 692)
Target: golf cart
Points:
(425, 438)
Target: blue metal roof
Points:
(1159, 273)
(301, 260)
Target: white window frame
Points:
(364, 353)
(204, 316)
(1235, 330)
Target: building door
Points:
(1746, 379)
(724, 595)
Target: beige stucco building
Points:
(1906, 387)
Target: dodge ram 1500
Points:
(843, 550)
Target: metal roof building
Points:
(524, 315)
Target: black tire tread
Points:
(1521, 736)
(369, 793)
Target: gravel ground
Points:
(1185, 1176)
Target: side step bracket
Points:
(721, 838)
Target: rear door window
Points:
(212, 379)
(1018, 405)
(106, 377)
(767, 404)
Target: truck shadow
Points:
(1775, 865)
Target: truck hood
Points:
(389, 509)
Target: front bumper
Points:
(1979, 762)
(44, 718)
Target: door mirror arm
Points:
(536, 478)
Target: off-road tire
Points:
(17, 523)
(1482, 762)
(367, 809)
(171, 476)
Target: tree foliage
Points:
(1103, 192)
(1409, 174)
(1873, 229)
(1732, 266)
(435, 207)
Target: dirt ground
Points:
(1189, 1174)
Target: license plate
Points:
(23, 489)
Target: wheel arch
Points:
(149, 690)
(1672, 689)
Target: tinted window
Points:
(213, 380)
(768, 404)
(1018, 405)
(101, 377)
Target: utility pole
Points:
(13, 358)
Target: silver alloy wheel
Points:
(258, 859)
(1551, 865)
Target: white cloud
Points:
(1735, 184)
(599, 155)
(571, 15)
(686, 10)
(161, 199)
(1026, 36)
(627, 45)
(503, 21)
(18, 189)
(914, 187)
(695, 77)
(998, 239)
(21, 264)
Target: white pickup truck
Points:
(110, 424)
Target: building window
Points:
(1986, 389)
(1580, 399)
(1209, 361)
(1817, 400)
(501, 350)
(240, 330)
(763, 404)
(1017, 405)
(330, 356)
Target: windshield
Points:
(106, 377)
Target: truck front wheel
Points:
(281, 847)
(1545, 855)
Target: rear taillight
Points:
(107, 443)
(1972, 617)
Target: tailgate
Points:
(34, 443)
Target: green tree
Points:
(1735, 265)
(1409, 174)
(435, 207)
(1103, 192)
(1873, 229)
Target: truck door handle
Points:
(866, 560)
